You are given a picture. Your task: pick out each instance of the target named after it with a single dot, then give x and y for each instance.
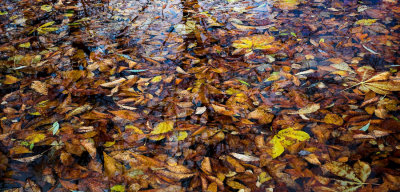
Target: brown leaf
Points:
(235, 163)
(111, 166)
(333, 119)
(342, 170)
(126, 114)
(39, 87)
(362, 170)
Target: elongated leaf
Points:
(277, 147)
(294, 134)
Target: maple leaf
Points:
(285, 138)
(257, 42)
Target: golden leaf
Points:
(333, 119)
(257, 42)
(235, 163)
(277, 147)
(285, 138)
(366, 22)
(10, 80)
(163, 127)
(35, 137)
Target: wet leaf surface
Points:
(198, 95)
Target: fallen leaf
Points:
(40, 87)
(10, 80)
(163, 127)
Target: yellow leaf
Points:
(379, 77)
(182, 135)
(109, 143)
(260, 42)
(156, 79)
(235, 184)
(277, 147)
(264, 177)
(10, 80)
(163, 127)
(135, 129)
(294, 134)
(19, 150)
(36, 137)
(366, 22)
(25, 45)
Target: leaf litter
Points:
(226, 95)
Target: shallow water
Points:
(175, 95)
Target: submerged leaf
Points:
(342, 170)
(163, 127)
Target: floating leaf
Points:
(163, 127)
(366, 22)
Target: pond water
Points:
(224, 95)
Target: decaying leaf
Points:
(39, 87)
